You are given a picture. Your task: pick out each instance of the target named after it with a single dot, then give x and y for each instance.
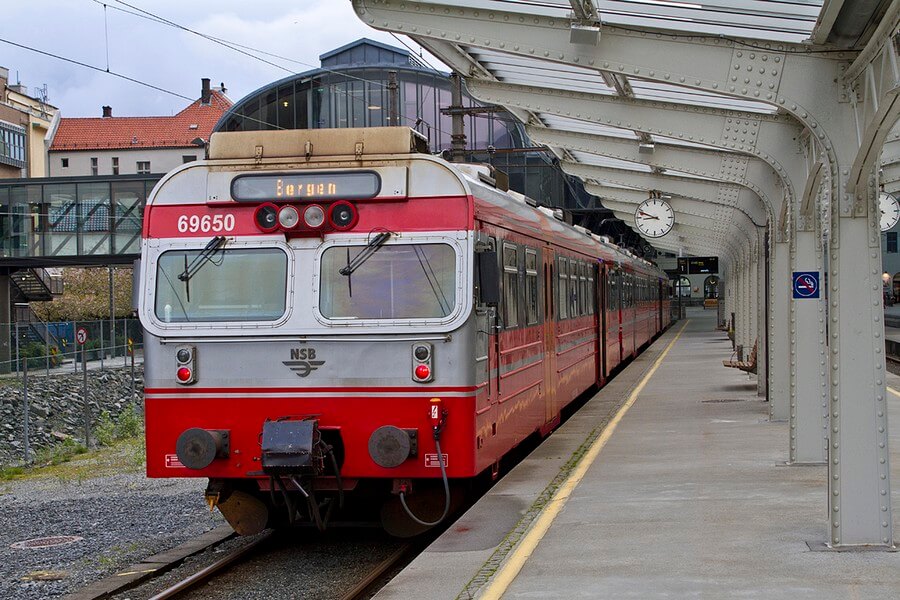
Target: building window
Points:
(94, 165)
(892, 242)
(12, 145)
(115, 165)
(188, 158)
(143, 167)
(65, 163)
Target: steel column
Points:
(779, 342)
(809, 360)
(858, 466)
(762, 380)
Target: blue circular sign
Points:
(806, 285)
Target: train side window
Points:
(510, 286)
(573, 289)
(531, 287)
(563, 304)
(592, 291)
(582, 286)
(611, 291)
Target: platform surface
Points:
(689, 498)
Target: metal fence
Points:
(110, 344)
(52, 347)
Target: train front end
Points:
(307, 299)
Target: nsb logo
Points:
(303, 361)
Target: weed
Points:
(129, 424)
(59, 453)
(7, 473)
(105, 432)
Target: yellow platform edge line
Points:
(513, 565)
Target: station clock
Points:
(890, 211)
(654, 217)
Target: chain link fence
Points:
(53, 388)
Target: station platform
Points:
(688, 498)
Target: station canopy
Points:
(581, 111)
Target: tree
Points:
(86, 295)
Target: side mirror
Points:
(488, 278)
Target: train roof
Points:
(492, 202)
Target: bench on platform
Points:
(748, 365)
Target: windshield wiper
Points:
(201, 259)
(371, 248)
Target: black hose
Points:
(437, 443)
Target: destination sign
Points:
(353, 185)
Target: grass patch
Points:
(7, 473)
(129, 424)
(121, 449)
(59, 453)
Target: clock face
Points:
(654, 218)
(890, 211)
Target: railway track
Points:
(356, 589)
(343, 565)
(210, 571)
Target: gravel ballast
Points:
(122, 518)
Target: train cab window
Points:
(510, 286)
(231, 284)
(400, 281)
(563, 288)
(531, 287)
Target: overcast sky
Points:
(298, 31)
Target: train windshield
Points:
(233, 284)
(403, 281)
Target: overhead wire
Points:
(94, 68)
(248, 51)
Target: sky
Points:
(164, 56)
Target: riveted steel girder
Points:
(699, 238)
(890, 162)
(732, 167)
(718, 217)
(795, 77)
(736, 227)
(774, 139)
(714, 192)
(874, 83)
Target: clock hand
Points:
(649, 216)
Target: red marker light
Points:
(422, 372)
(183, 374)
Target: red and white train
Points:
(336, 319)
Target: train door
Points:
(595, 298)
(660, 291)
(487, 349)
(549, 335)
(613, 319)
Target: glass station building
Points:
(351, 89)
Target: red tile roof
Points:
(103, 133)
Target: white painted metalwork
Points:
(790, 132)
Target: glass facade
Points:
(90, 216)
(351, 91)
